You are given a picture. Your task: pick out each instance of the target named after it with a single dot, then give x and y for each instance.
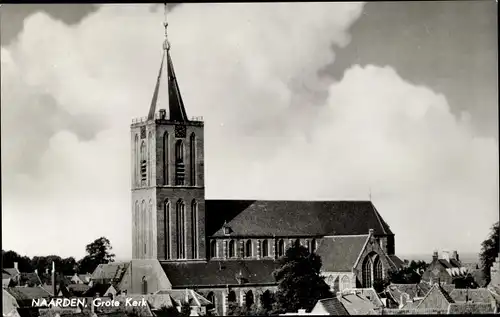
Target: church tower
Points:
(168, 193)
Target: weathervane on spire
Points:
(166, 43)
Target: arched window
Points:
(281, 247)
(249, 300)
(150, 158)
(308, 245)
(367, 272)
(179, 163)
(144, 164)
(143, 230)
(345, 283)
(231, 297)
(144, 285)
(313, 245)
(194, 228)
(166, 211)
(181, 233)
(265, 248)
(248, 248)
(213, 248)
(135, 176)
(266, 300)
(192, 159)
(166, 152)
(232, 249)
(377, 269)
(137, 228)
(211, 299)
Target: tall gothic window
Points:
(248, 248)
(166, 212)
(377, 269)
(144, 285)
(232, 249)
(249, 300)
(150, 158)
(179, 163)
(194, 228)
(367, 272)
(144, 164)
(192, 159)
(265, 248)
(213, 248)
(143, 230)
(313, 245)
(281, 247)
(231, 297)
(135, 176)
(150, 229)
(166, 151)
(181, 234)
(137, 227)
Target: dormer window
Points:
(227, 230)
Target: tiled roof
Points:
(190, 274)
(97, 288)
(470, 308)
(371, 294)
(12, 271)
(294, 218)
(411, 304)
(356, 304)
(479, 295)
(333, 306)
(30, 278)
(339, 254)
(113, 270)
(445, 263)
(439, 291)
(24, 295)
(78, 289)
(413, 290)
(448, 288)
(455, 263)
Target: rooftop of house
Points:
(356, 304)
(436, 291)
(293, 218)
(470, 308)
(412, 290)
(24, 294)
(478, 295)
(331, 305)
(110, 271)
(29, 278)
(228, 272)
(11, 271)
(179, 297)
(339, 254)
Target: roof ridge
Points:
(378, 218)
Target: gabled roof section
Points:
(339, 254)
(436, 290)
(331, 305)
(294, 218)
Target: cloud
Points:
(274, 128)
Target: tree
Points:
(465, 281)
(489, 251)
(98, 252)
(411, 274)
(300, 284)
(23, 262)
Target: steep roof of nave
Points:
(188, 274)
(339, 254)
(293, 218)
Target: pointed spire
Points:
(176, 109)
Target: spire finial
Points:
(166, 43)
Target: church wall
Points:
(148, 196)
(371, 247)
(132, 281)
(336, 280)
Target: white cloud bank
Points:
(69, 93)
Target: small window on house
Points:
(313, 245)
(213, 249)
(248, 249)
(281, 247)
(227, 230)
(232, 249)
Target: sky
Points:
(395, 101)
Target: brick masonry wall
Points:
(371, 248)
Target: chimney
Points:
(301, 311)
(434, 256)
(454, 255)
(163, 114)
(16, 266)
(54, 278)
(446, 256)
